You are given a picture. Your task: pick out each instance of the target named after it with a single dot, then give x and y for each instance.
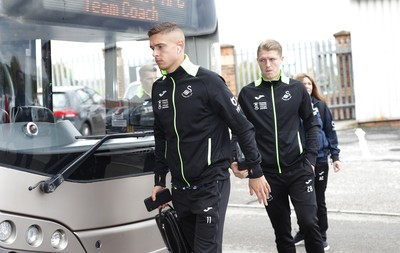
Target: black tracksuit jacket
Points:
(276, 109)
(193, 109)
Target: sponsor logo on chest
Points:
(260, 103)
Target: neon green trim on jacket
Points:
(209, 152)
(187, 65)
(299, 140)
(191, 69)
(141, 92)
(276, 131)
(283, 78)
(177, 134)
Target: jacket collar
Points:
(281, 77)
(186, 65)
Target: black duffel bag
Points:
(167, 222)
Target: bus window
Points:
(6, 89)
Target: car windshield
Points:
(60, 100)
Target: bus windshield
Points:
(84, 68)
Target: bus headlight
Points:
(59, 240)
(34, 235)
(6, 230)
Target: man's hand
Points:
(337, 166)
(239, 173)
(261, 188)
(156, 189)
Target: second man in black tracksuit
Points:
(277, 106)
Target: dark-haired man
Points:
(193, 109)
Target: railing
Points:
(329, 62)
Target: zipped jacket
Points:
(328, 141)
(276, 109)
(193, 109)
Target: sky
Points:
(249, 22)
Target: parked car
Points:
(83, 106)
(130, 118)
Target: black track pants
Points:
(297, 183)
(201, 213)
(321, 182)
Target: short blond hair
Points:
(269, 45)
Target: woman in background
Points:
(328, 146)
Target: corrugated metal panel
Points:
(376, 57)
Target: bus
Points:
(66, 187)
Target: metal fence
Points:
(84, 70)
(89, 70)
(329, 62)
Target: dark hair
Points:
(165, 27)
(315, 93)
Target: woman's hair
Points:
(315, 93)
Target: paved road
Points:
(363, 199)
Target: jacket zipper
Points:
(177, 134)
(276, 130)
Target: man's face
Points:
(166, 51)
(270, 64)
(148, 79)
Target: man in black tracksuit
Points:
(193, 109)
(276, 105)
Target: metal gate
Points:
(329, 62)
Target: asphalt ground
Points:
(363, 199)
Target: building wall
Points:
(375, 36)
(228, 67)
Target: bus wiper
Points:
(51, 184)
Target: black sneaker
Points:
(326, 245)
(298, 239)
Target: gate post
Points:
(228, 67)
(345, 97)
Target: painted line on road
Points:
(329, 210)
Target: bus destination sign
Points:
(136, 10)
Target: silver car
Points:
(83, 106)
